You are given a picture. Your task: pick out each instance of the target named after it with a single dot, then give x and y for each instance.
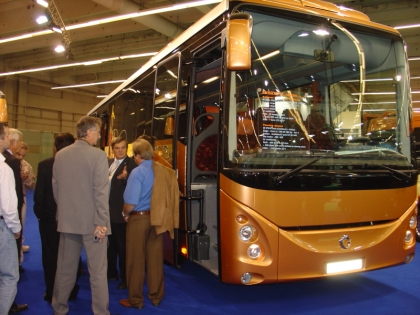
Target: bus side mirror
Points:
(323, 55)
(238, 40)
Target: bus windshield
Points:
(318, 88)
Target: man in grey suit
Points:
(81, 190)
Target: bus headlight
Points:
(246, 278)
(413, 222)
(254, 251)
(408, 237)
(246, 232)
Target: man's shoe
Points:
(112, 278)
(17, 308)
(122, 285)
(73, 294)
(125, 303)
(47, 298)
(25, 248)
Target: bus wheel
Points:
(418, 229)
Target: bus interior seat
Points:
(246, 133)
(316, 125)
(205, 143)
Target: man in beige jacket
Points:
(81, 190)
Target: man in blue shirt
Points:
(144, 246)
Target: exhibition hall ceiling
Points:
(124, 45)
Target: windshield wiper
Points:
(290, 173)
(397, 174)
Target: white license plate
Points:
(344, 266)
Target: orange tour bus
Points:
(261, 107)
(416, 130)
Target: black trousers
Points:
(116, 250)
(50, 240)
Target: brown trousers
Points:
(144, 252)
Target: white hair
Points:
(15, 134)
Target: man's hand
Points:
(100, 232)
(24, 174)
(123, 174)
(17, 235)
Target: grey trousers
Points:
(67, 265)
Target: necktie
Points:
(113, 168)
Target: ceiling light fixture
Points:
(86, 84)
(269, 55)
(55, 28)
(375, 93)
(413, 58)
(172, 74)
(118, 18)
(71, 65)
(43, 3)
(406, 26)
(59, 48)
(42, 19)
(321, 32)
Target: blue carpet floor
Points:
(192, 290)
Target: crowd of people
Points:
(116, 209)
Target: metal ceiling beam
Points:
(155, 22)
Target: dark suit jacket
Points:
(116, 199)
(14, 164)
(44, 203)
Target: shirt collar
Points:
(119, 161)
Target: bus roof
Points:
(313, 7)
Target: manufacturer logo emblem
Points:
(345, 241)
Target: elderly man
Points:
(15, 142)
(9, 229)
(81, 191)
(151, 207)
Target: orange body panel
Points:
(312, 208)
(289, 254)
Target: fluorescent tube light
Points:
(86, 84)
(59, 48)
(211, 79)
(172, 74)
(375, 93)
(42, 19)
(269, 55)
(321, 32)
(117, 18)
(406, 26)
(43, 3)
(86, 63)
